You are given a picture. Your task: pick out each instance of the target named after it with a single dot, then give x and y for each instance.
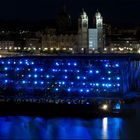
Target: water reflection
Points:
(62, 128)
(104, 127)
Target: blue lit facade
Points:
(76, 76)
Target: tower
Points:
(83, 32)
(99, 27)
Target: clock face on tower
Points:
(84, 23)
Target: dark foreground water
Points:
(24, 127)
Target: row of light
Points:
(34, 48)
(55, 71)
(56, 63)
(64, 83)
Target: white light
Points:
(57, 49)
(64, 48)
(70, 49)
(105, 49)
(105, 127)
(104, 107)
(45, 49)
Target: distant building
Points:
(8, 45)
(83, 32)
(66, 36)
(93, 40)
(99, 27)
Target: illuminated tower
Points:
(99, 27)
(83, 32)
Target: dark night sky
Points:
(112, 10)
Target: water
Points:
(24, 127)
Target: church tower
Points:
(99, 27)
(83, 32)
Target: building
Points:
(81, 40)
(83, 32)
(93, 40)
(99, 27)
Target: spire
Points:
(83, 14)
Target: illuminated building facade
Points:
(99, 27)
(64, 76)
(7, 45)
(83, 32)
(59, 43)
(93, 40)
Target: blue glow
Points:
(66, 77)
(47, 76)
(118, 78)
(97, 84)
(75, 64)
(96, 71)
(5, 68)
(20, 62)
(57, 64)
(41, 69)
(78, 71)
(117, 65)
(109, 85)
(84, 84)
(78, 77)
(56, 89)
(9, 62)
(17, 69)
(35, 76)
(35, 82)
(72, 83)
(29, 75)
(26, 63)
(6, 81)
(106, 65)
(63, 83)
(87, 90)
(103, 85)
(69, 89)
(117, 106)
(91, 71)
(81, 90)
(109, 78)
(84, 77)
(23, 82)
(109, 72)
(68, 64)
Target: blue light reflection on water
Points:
(61, 128)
